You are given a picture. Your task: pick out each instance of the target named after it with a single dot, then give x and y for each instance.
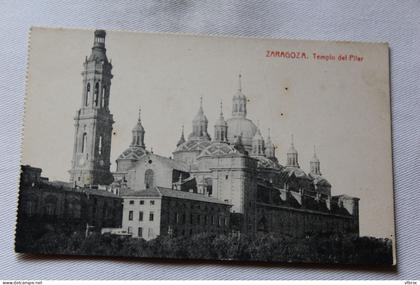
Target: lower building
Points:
(59, 207)
(162, 211)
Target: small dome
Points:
(134, 152)
(315, 158)
(200, 117)
(239, 95)
(217, 149)
(138, 128)
(241, 127)
(193, 145)
(221, 122)
(292, 150)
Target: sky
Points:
(341, 107)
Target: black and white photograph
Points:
(148, 145)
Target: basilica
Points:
(228, 177)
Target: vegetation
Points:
(264, 247)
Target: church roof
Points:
(133, 152)
(174, 164)
(167, 192)
(319, 179)
(264, 162)
(193, 146)
(217, 149)
(296, 171)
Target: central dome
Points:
(241, 126)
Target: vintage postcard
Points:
(197, 147)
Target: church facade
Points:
(236, 166)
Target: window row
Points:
(152, 202)
(141, 216)
(201, 219)
(140, 232)
(99, 99)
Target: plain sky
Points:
(341, 107)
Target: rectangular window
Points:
(152, 202)
(140, 216)
(151, 233)
(140, 232)
(141, 202)
(130, 215)
(131, 202)
(177, 218)
(151, 216)
(198, 219)
(130, 230)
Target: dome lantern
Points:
(292, 155)
(200, 123)
(315, 164)
(138, 133)
(220, 127)
(239, 102)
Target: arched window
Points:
(103, 96)
(74, 209)
(87, 94)
(148, 178)
(208, 182)
(50, 205)
(100, 145)
(84, 142)
(30, 207)
(96, 93)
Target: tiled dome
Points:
(239, 126)
(133, 153)
(193, 145)
(217, 149)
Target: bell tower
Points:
(93, 121)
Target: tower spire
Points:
(258, 147)
(92, 140)
(199, 125)
(201, 103)
(292, 154)
(182, 138)
(315, 164)
(239, 101)
(139, 120)
(138, 133)
(270, 151)
(220, 127)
